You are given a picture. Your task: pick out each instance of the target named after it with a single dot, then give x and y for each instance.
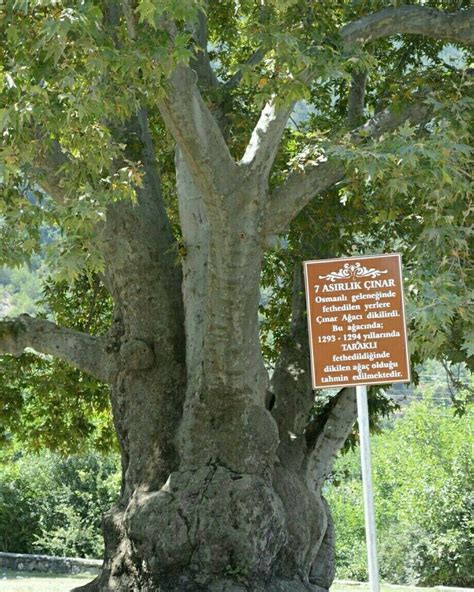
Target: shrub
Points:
(423, 483)
(54, 505)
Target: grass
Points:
(25, 581)
(360, 587)
(383, 588)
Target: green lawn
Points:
(383, 588)
(357, 587)
(24, 581)
(20, 581)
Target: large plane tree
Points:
(175, 149)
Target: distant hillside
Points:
(20, 289)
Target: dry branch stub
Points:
(356, 321)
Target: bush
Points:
(423, 483)
(54, 505)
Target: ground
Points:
(14, 581)
(20, 581)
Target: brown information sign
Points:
(356, 321)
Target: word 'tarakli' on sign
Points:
(356, 321)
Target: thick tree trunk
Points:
(211, 497)
(219, 491)
(148, 387)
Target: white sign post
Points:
(357, 336)
(370, 536)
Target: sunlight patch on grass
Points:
(344, 586)
(25, 581)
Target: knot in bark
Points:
(136, 354)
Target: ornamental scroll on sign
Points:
(356, 321)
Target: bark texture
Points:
(210, 476)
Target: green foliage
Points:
(85, 305)
(45, 402)
(424, 207)
(424, 485)
(74, 75)
(408, 192)
(20, 289)
(53, 505)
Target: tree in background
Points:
(46, 403)
(54, 505)
(154, 138)
(424, 482)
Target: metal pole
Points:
(363, 420)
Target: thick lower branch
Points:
(415, 20)
(79, 349)
(318, 175)
(356, 100)
(326, 435)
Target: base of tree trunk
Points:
(213, 530)
(183, 584)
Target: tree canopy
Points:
(74, 74)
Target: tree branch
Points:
(415, 20)
(253, 60)
(150, 196)
(48, 163)
(458, 26)
(129, 19)
(197, 133)
(257, 56)
(151, 191)
(318, 175)
(191, 123)
(201, 63)
(290, 381)
(79, 349)
(356, 100)
(326, 435)
(266, 135)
